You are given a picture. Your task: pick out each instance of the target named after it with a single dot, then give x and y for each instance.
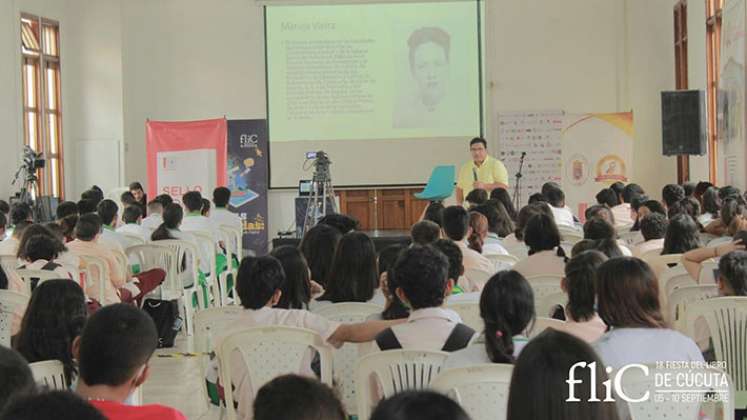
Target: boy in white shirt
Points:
(154, 218)
(133, 217)
(556, 200)
(456, 227)
(653, 229)
(108, 211)
(220, 214)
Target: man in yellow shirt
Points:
(484, 171)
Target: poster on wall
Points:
(538, 134)
(247, 173)
(597, 152)
(185, 156)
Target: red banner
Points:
(186, 156)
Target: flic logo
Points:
(617, 383)
(248, 140)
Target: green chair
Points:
(440, 185)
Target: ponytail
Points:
(475, 242)
(499, 343)
(172, 218)
(506, 308)
(580, 283)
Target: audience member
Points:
(499, 226)
(220, 214)
(155, 215)
(425, 232)
(128, 199)
(136, 189)
(556, 200)
(514, 243)
(579, 283)
(66, 208)
(205, 210)
(608, 198)
(653, 229)
(537, 198)
(54, 405)
(503, 197)
(164, 199)
(133, 219)
(86, 206)
(671, 193)
(169, 229)
(476, 197)
(600, 211)
(10, 245)
(622, 211)
(418, 405)
(194, 221)
(318, 246)
(67, 224)
(294, 397)
(546, 257)
(456, 227)
(478, 226)
(394, 308)
(434, 212)
(296, 290)
(21, 212)
(41, 252)
(16, 380)
(681, 236)
(341, 222)
(689, 189)
(108, 211)
(711, 206)
(598, 228)
(353, 276)
(5, 209)
(456, 267)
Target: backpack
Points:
(165, 314)
(458, 339)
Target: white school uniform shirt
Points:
(590, 330)
(515, 247)
(426, 329)
(198, 222)
(152, 222)
(135, 229)
(563, 216)
(113, 240)
(541, 263)
(624, 346)
(476, 354)
(621, 212)
(221, 216)
(244, 391)
(652, 245)
(9, 246)
(493, 245)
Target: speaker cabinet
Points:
(683, 122)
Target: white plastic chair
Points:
(173, 287)
(727, 320)
(97, 271)
(545, 306)
(501, 261)
(541, 324)
(394, 371)
(670, 280)
(706, 275)
(206, 240)
(11, 303)
(268, 352)
(631, 238)
(41, 275)
(469, 312)
(347, 356)
(570, 234)
(132, 240)
(681, 297)
(664, 404)
(477, 276)
(211, 322)
(544, 287)
(482, 390)
(227, 236)
(49, 373)
(158, 256)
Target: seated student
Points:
(456, 227)
(353, 276)
(296, 290)
(41, 253)
(653, 229)
(10, 245)
(295, 397)
(419, 405)
(514, 243)
(422, 276)
(67, 225)
(86, 206)
(711, 206)
(688, 206)
(57, 405)
(5, 209)
(108, 211)
(434, 212)
(393, 308)
(341, 222)
(3, 227)
(608, 198)
(539, 383)
(205, 210)
(220, 214)
(682, 235)
(318, 246)
(731, 209)
(456, 270)
(21, 212)
(671, 193)
(546, 257)
(154, 218)
(16, 380)
(425, 232)
(537, 198)
(476, 197)
(608, 247)
(136, 189)
(507, 309)
(169, 229)
(194, 221)
(478, 226)
(259, 285)
(600, 211)
(127, 199)
(622, 212)
(581, 318)
(628, 301)
(66, 208)
(635, 214)
(113, 354)
(55, 316)
(132, 218)
(499, 226)
(502, 196)
(597, 229)
(556, 200)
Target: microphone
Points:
(523, 154)
(474, 174)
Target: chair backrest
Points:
(502, 260)
(11, 303)
(8, 262)
(157, 255)
(41, 275)
(631, 238)
(238, 239)
(727, 320)
(482, 390)
(395, 371)
(49, 373)
(665, 402)
(211, 322)
(185, 251)
(545, 287)
(97, 271)
(570, 234)
(707, 275)
(681, 297)
(541, 324)
(347, 356)
(268, 352)
(132, 240)
(547, 304)
(205, 239)
(470, 314)
(670, 280)
(440, 184)
(477, 276)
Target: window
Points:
(42, 111)
(680, 73)
(713, 55)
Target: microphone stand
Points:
(517, 185)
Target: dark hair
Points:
(731, 208)
(477, 196)
(618, 187)
(221, 196)
(711, 202)
(107, 210)
(387, 258)
(131, 213)
(598, 228)
(701, 187)
(164, 199)
(20, 212)
(425, 232)
(434, 212)
(4, 207)
(36, 229)
(542, 369)
(318, 246)
(654, 207)
(453, 255)
(192, 201)
(628, 294)
(732, 269)
(17, 378)
(608, 197)
(478, 140)
(525, 214)
(127, 198)
(688, 188)
(631, 191)
(455, 222)
(672, 193)
(554, 195)
(172, 218)
(94, 195)
(67, 224)
(608, 247)
(257, 280)
(155, 206)
(429, 34)
(205, 207)
(116, 341)
(541, 234)
(506, 308)
(59, 405)
(42, 247)
(503, 197)
(600, 211)
(297, 286)
(422, 274)
(353, 276)
(418, 405)
(580, 284)
(55, 316)
(295, 397)
(3, 221)
(135, 186)
(635, 205)
(479, 225)
(654, 226)
(689, 206)
(88, 226)
(681, 236)
(496, 224)
(341, 222)
(537, 198)
(86, 206)
(66, 208)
